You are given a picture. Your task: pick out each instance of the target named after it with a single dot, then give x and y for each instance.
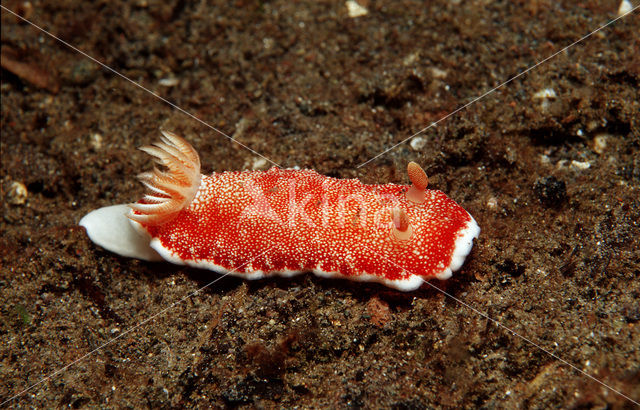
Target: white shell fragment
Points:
(580, 165)
(17, 194)
(417, 143)
(624, 8)
(545, 94)
(259, 163)
(600, 143)
(355, 10)
(438, 73)
(169, 82)
(543, 97)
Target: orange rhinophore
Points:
(419, 182)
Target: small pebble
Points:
(169, 82)
(624, 8)
(417, 143)
(411, 59)
(258, 163)
(438, 73)
(544, 159)
(268, 43)
(600, 143)
(25, 10)
(17, 194)
(81, 72)
(544, 96)
(356, 10)
(95, 141)
(241, 126)
(580, 165)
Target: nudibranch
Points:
(256, 224)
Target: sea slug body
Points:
(255, 224)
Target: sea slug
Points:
(256, 224)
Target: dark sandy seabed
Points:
(553, 183)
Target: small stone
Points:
(544, 96)
(17, 193)
(624, 8)
(241, 127)
(411, 59)
(544, 159)
(550, 191)
(81, 72)
(258, 163)
(600, 143)
(268, 43)
(95, 141)
(580, 165)
(169, 82)
(355, 10)
(25, 10)
(438, 73)
(492, 203)
(417, 143)
(592, 125)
